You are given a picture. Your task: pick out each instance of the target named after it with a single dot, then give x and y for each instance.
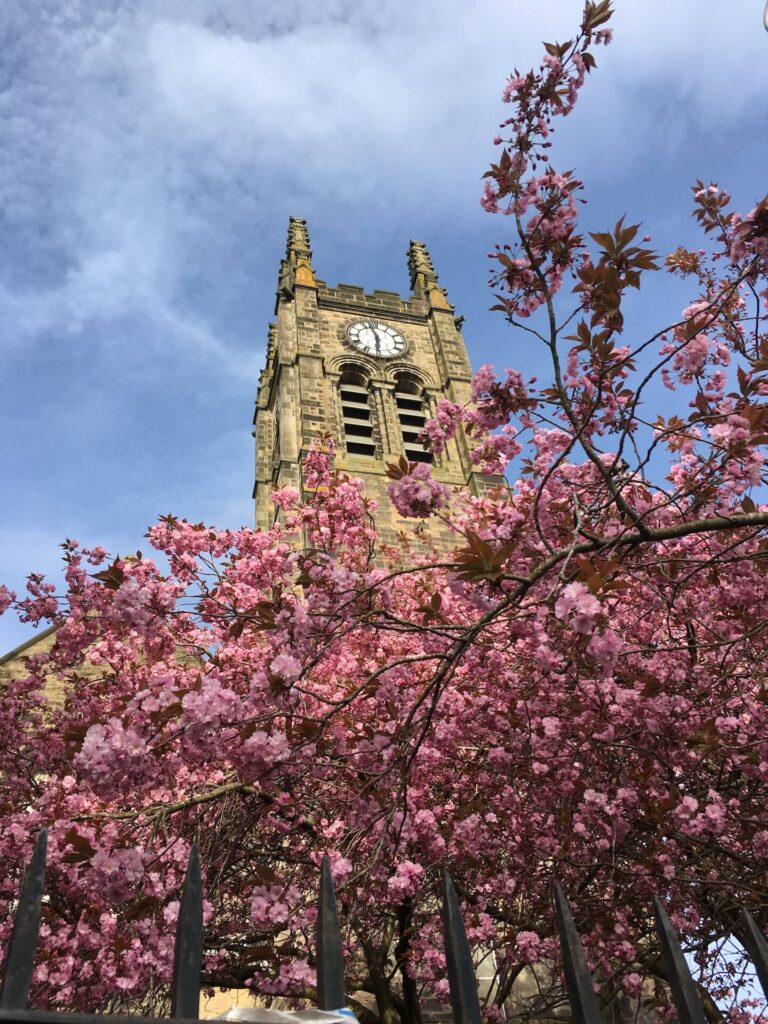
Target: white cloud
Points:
(138, 135)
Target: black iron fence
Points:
(331, 993)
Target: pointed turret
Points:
(424, 279)
(298, 240)
(296, 268)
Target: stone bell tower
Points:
(366, 368)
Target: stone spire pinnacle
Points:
(420, 262)
(423, 277)
(296, 268)
(298, 239)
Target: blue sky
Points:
(153, 152)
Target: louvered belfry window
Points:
(357, 415)
(411, 411)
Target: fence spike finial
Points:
(188, 952)
(755, 944)
(578, 979)
(465, 1005)
(20, 960)
(331, 994)
(684, 995)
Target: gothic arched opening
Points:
(356, 412)
(412, 413)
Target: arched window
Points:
(411, 411)
(356, 413)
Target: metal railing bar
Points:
(757, 947)
(331, 993)
(20, 960)
(462, 981)
(54, 1017)
(188, 951)
(684, 995)
(578, 978)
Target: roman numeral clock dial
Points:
(376, 339)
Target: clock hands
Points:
(375, 338)
(372, 327)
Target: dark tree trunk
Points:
(410, 992)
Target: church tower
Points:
(368, 369)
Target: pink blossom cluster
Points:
(533, 271)
(273, 904)
(442, 426)
(286, 667)
(733, 430)
(578, 608)
(750, 238)
(494, 453)
(496, 401)
(114, 753)
(417, 494)
(405, 882)
(7, 598)
(132, 604)
(597, 383)
(689, 360)
(528, 947)
(566, 686)
(119, 872)
(535, 268)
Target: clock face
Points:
(376, 339)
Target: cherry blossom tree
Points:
(576, 690)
